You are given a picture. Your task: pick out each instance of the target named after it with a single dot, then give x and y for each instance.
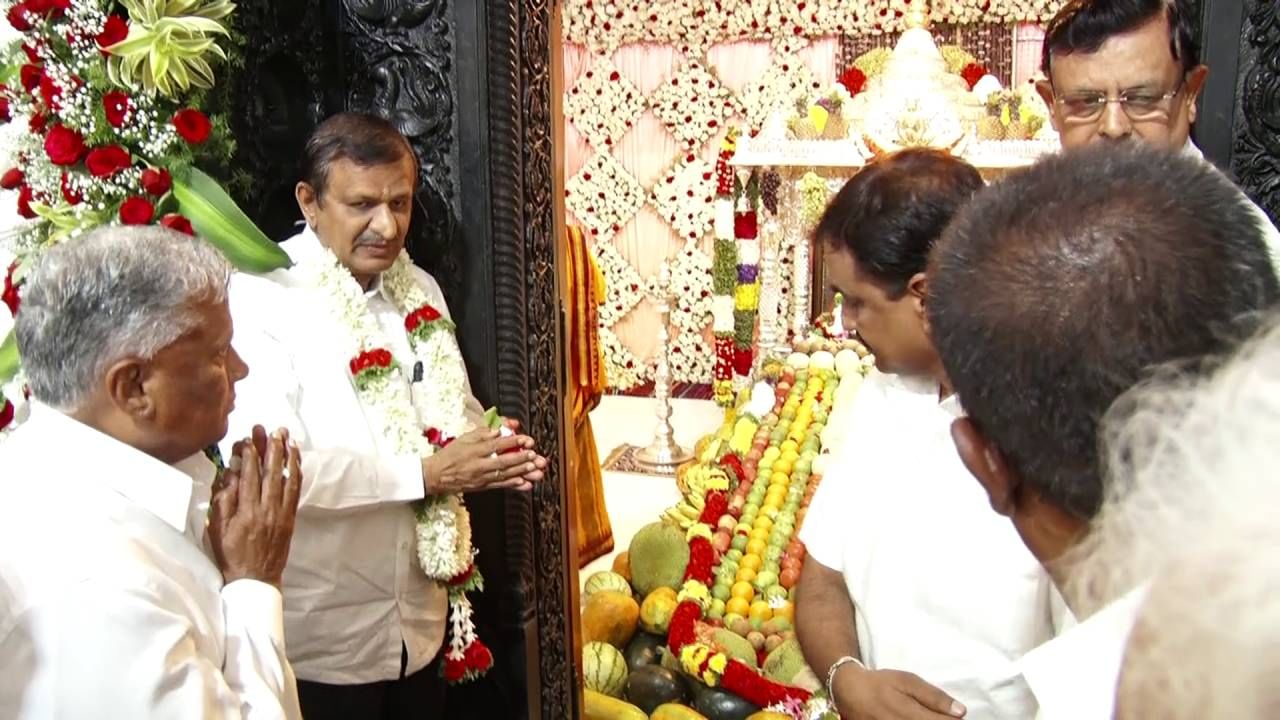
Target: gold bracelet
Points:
(831, 674)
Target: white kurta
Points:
(942, 586)
(1074, 676)
(109, 607)
(353, 588)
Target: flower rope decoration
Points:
(746, 296)
(603, 196)
(724, 274)
(416, 424)
(684, 197)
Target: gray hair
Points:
(1190, 508)
(120, 291)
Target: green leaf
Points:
(9, 362)
(220, 221)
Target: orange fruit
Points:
(737, 606)
(750, 561)
(745, 575)
(779, 478)
(761, 611)
(791, 445)
(742, 590)
(755, 547)
(762, 522)
(761, 534)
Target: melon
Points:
(622, 565)
(657, 609)
(611, 617)
(603, 668)
(605, 580)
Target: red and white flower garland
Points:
(415, 423)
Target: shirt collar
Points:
(89, 455)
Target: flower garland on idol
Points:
(724, 273)
(417, 423)
(746, 296)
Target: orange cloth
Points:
(587, 382)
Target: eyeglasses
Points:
(1139, 105)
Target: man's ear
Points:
(985, 461)
(918, 290)
(1195, 83)
(125, 385)
(1044, 89)
(308, 202)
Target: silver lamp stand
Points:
(663, 453)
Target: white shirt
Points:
(942, 586)
(353, 588)
(1270, 234)
(1074, 676)
(108, 605)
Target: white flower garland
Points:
(603, 196)
(684, 197)
(605, 26)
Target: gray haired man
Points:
(109, 605)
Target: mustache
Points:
(372, 238)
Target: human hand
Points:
(251, 523)
(891, 695)
(483, 460)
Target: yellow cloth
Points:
(587, 382)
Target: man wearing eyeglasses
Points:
(1127, 69)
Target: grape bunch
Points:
(769, 186)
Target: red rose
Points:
(25, 196)
(32, 56)
(12, 178)
(477, 657)
(17, 17)
(137, 211)
(115, 30)
(10, 295)
(5, 114)
(192, 125)
(174, 221)
(63, 145)
(36, 123)
(156, 182)
(50, 93)
(853, 80)
(116, 106)
(39, 7)
(71, 196)
(61, 6)
(6, 414)
(745, 225)
(454, 670)
(972, 73)
(106, 161)
(31, 75)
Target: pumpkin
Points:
(610, 617)
(603, 669)
(657, 609)
(605, 580)
(654, 685)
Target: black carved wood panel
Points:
(1255, 159)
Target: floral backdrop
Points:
(650, 89)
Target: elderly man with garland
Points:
(354, 351)
(109, 604)
(1128, 70)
